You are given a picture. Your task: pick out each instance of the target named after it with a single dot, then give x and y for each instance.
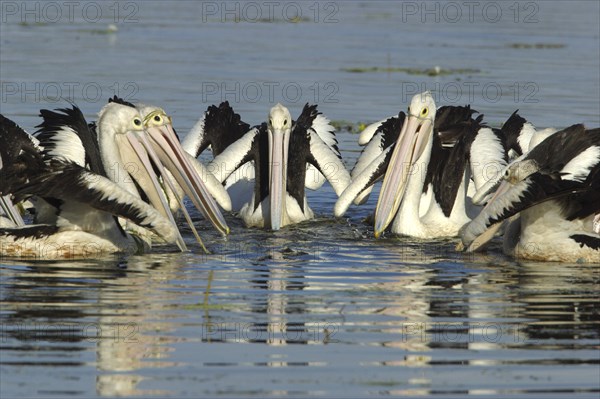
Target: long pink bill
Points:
(411, 143)
(278, 154)
(153, 191)
(172, 156)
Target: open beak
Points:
(411, 143)
(166, 145)
(173, 190)
(131, 148)
(278, 157)
(11, 211)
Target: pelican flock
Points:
(117, 185)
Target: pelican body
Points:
(85, 203)
(426, 164)
(555, 189)
(220, 127)
(280, 151)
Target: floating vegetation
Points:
(29, 24)
(294, 20)
(536, 45)
(205, 305)
(110, 29)
(388, 383)
(349, 126)
(381, 15)
(435, 71)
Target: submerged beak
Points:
(482, 239)
(164, 142)
(278, 156)
(411, 143)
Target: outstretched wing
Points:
(20, 141)
(236, 155)
(71, 182)
(369, 175)
(65, 134)
(385, 135)
(575, 185)
(219, 127)
(329, 163)
(311, 119)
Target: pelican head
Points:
(120, 129)
(416, 134)
(279, 129)
(514, 173)
(161, 137)
(519, 171)
(118, 119)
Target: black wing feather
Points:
(222, 127)
(14, 140)
(447, 166)
(511, 129)
(70, 182)
(119, 100)
(74, 119)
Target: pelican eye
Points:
(137, 122)
(270, 121)
(424, 112)
(284, 122)
(157, 118)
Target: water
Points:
(321, 308)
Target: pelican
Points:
(220, 127)
(521, 136)
(129, 156)
(426, 175)
(280, 150)
(85, 205)
(556, 190)
(197, 182)
(181, 174)
(110, 148)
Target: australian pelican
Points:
(521, 136)
(220, 127)
(191, 177)
(130, 155)
(85, 203)
(426, 163)
(281, 149)
(179, 173)
(555, 188)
